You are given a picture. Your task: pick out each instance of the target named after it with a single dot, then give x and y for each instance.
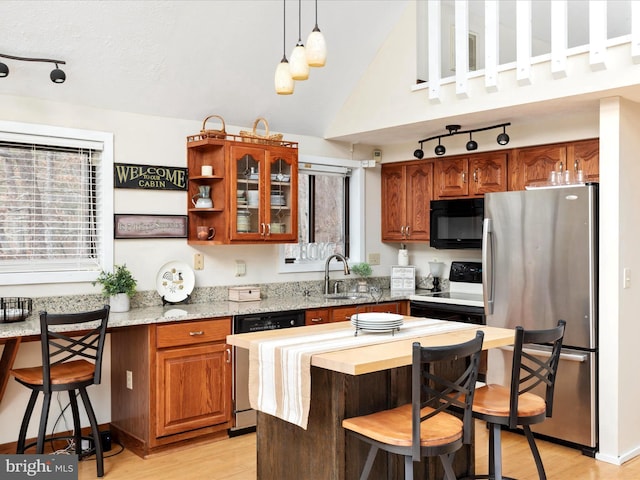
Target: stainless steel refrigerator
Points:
(540, 264)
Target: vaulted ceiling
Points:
(190, 59)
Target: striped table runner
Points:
(280, 369)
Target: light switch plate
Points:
(241, 268)
(198, 261)
(374, 259)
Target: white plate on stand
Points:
(175, 281)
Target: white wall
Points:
(619, 326)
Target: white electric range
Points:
(462, 302)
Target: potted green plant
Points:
(362, 270)
(118, 286)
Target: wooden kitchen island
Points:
(347, 383)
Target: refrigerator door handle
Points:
(487, 266)
(571, 357)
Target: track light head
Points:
(503, 138)
(4, 70)
(418, 153)
(57, 75)
(440, 150)
(471, 144)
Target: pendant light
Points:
(316, 46)
(283, 82)
(298, 65)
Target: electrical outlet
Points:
(198, 261)
(129, 379)
(374, 259)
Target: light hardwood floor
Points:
(234, 459)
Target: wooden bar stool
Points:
(68, 364)
(425, 427)
(516, 406)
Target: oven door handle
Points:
(487, 266)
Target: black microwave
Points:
(457, 223)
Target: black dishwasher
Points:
(244, 415)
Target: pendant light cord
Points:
(284, 30)
(299, 20)
(316, 13)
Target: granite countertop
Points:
(195, 311)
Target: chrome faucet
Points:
(326, 269)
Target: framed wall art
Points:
(150, 226)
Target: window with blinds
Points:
(52, 209)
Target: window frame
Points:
(70, 137)
(356, 217)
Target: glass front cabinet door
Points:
(264, 201)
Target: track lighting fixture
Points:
(57, 75)
(471, 145)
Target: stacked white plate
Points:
(377, 321)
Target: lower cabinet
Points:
(341, 314)
(170, 383)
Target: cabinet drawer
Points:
(316, 316)
(189, 333)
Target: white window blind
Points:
(53, 209)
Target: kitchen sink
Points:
(345, 296)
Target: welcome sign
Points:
(149, 177)
(28, 467)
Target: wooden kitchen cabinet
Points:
(316, 316)
(406, 193)
(254, 190)
(533, 165)
(341, 314)
(180, 379)
(470, 176)
(264, 203)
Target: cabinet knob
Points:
(195, 334)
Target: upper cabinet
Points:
(470, 176)
(406, 195)
(251, 195)
(533, 165)
(264, 203)
(408, 187)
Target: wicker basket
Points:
(267, 138)
(213, 133)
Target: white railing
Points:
(459, 39)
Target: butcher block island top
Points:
(392, 351)
(346, 376)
